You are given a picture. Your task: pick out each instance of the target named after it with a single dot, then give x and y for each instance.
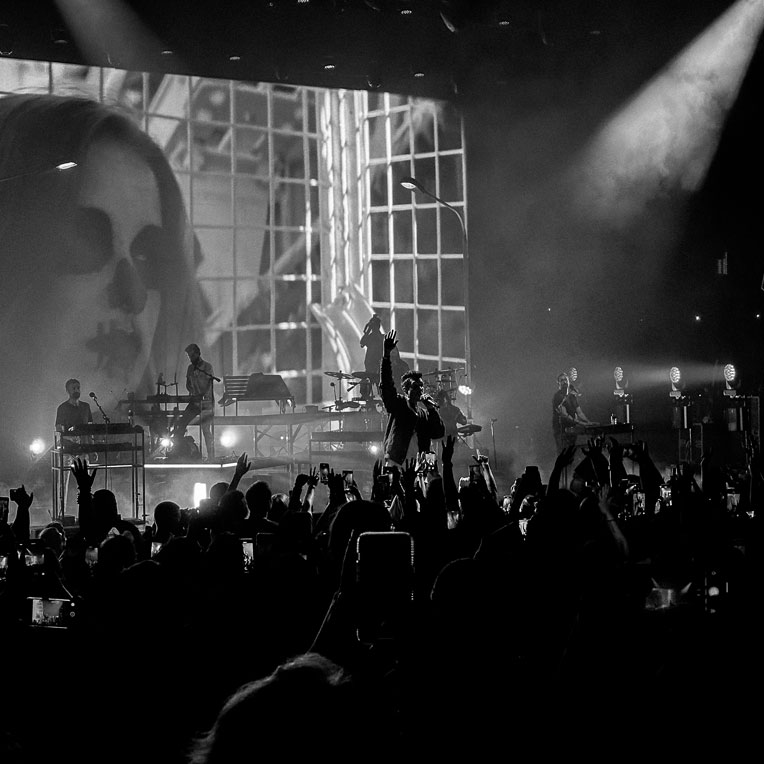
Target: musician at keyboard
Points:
(73, 412)
(566, 413)
(199, 378)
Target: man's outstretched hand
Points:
(81, 474)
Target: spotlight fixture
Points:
(465, 389)
(621, 382)
(572, 373)
(731, 381)
(677, 386)
(419, 74)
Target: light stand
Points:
(412, 184)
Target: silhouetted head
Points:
(310, 682)
(258, 498)
(217, 491)
(413, 386)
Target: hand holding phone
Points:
(347, 477)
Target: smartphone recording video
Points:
(248, 549)
(50, 613)
(385, 577)
(429, 460)
(476, 474)
(34, 553)
(347, 477)
(323, 471)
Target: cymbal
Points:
(364, 374)
(338, 375)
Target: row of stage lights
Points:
(730, 374)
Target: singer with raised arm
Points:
(566, 413)
(199, 383)
(413, 420)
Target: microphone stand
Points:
(107, 422)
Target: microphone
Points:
(93, 396)
(429, 399)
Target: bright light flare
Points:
(618, 374)
(675, 375)
(730, 373)
(37, 447)
(200, 492)
(229, 438)
(165, 442)
(373, 449)
(465, 389)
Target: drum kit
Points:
(440, 380)
(362, 379)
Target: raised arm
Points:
(243, 466)
(386, 384)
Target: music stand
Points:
(268, 387)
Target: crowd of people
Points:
(434, 614)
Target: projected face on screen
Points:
(108, 286)
(98, 279)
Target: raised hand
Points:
(84, 478)
(616, 449)
(301, 480)
(593, 448)
(22, 498)
(391, 340)
(243, 466)
(313, 478)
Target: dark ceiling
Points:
(440, 48)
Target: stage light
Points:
(66, 166)
(229, 438)
(731, 380)
(200, 492)
(465, 389)
(621, 382)
(572, 373)
(165, 442)
(373, 449)
(37, 447)
(677, 386)
(419, 74)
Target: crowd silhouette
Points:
(433, 617)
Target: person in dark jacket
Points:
(410, 414)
